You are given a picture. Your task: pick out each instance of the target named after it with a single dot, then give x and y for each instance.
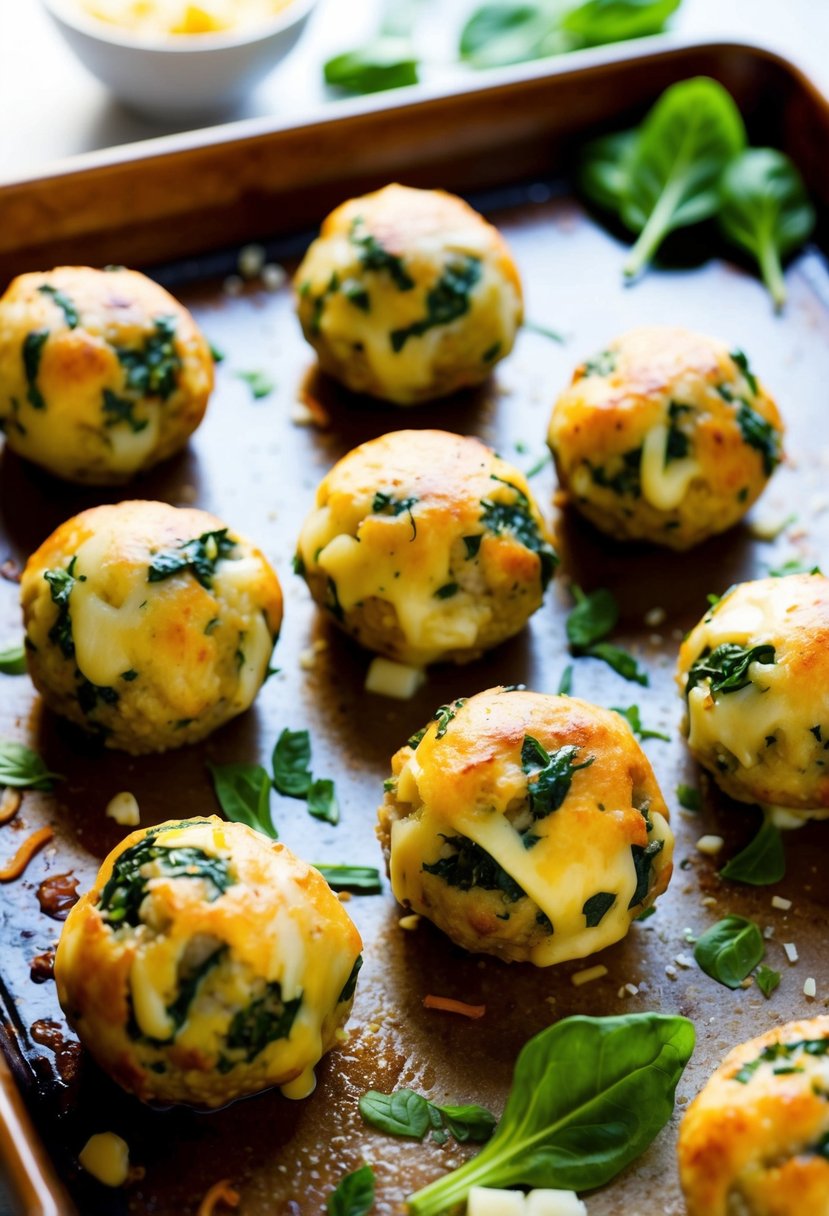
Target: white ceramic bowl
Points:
(185, 75)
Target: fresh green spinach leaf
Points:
(674, 173)
(766, 210)
(593, 618)
(365, 879)
(766, 980)
(259, 382)
(384, 63)
(322, 800)
(23, 768)
(688, 797)
(622, 662)
(13, 660)
(596, 22)
(588, 1097)
(730, 950)
(603, 173)
(499, 34)
(407, 1113)
(243, 791)
(634, 720)
(292, 763)
(354, 1194)
(761, 862)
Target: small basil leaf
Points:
(765, 209)
(292, 763)
(730, 950)
(354, 1195)
(761, 862)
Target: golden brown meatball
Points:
(207, 963)
(408, 295)
(147, 624)
(666, 436)
(755, 676)
(102, 372)
(754, 1140)
(526, 826)
(426, 546)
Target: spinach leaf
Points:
(643, 856)
(445, 714)
(259, 382)
(406, 1113)
(468, 866)
(350, 878)
(70, 312)
(760, 434)
(543, 331)
(498, 34)
(730, 950)
(774, 1052)
(292, 763)
(634, 721)
(354, 1194)
(23, 768)
(516, 518)
(122, 409)
(322, 800)
(766, 980)
(350, 985)
(243, 791)
(553, 775)
(761, 862)
(596, 22)
(123, 893)
(623, 663)
(267, 1018)
(13, 660)
(765, 209)
(565, 684)
(33, 345)
(741, 359)
(447, 300)
(793, 566)
(628, 477)
(188, 987)
(61, 583)
(384, 503)
(684, 144)
(373, 256)
(727, 667)
(597, 906)
(688, 797)
(588, 1096)
(593, 618)
(200, 556)
(152, 370)
(384, 63)
(603, 173)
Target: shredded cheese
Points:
(123, 808)
(588, 974)
(9, 804)
(810, 988)
(791, 951)
(710, 845)
(220, 1193)
(107, 1158)
(448, 1005)
(31, 845)
(777, 901)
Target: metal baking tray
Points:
(180, 207)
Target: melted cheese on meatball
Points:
(527, 826)
(756, 681)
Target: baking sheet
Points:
(253, 466)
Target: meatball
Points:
(426, 546)
(149, 625)
(666, 436)
(755, 676)
(102, 372)
(408, 295)
(754, 1140)
(526, 826)
(207, 963)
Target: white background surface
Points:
(51, 108)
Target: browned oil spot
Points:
(42, 967)
(67, 1051)
(58, 895)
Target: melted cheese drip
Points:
(408, 371)
(103, 633)
(664, 485)
(555, 882)
(129, 449)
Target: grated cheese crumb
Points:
(791, 951)
(768, 932)
(671, 972)
(710, 845)
(710, 901)
(123, 808)
(682, 960)
(273, 276)
(655, 617)
(396, 680)
(250, 261)
(588, 974)
(810, 988)
(779, 902)
(409, 922)
(307, 659)
(631, 990)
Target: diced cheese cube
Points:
(486, 1201)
